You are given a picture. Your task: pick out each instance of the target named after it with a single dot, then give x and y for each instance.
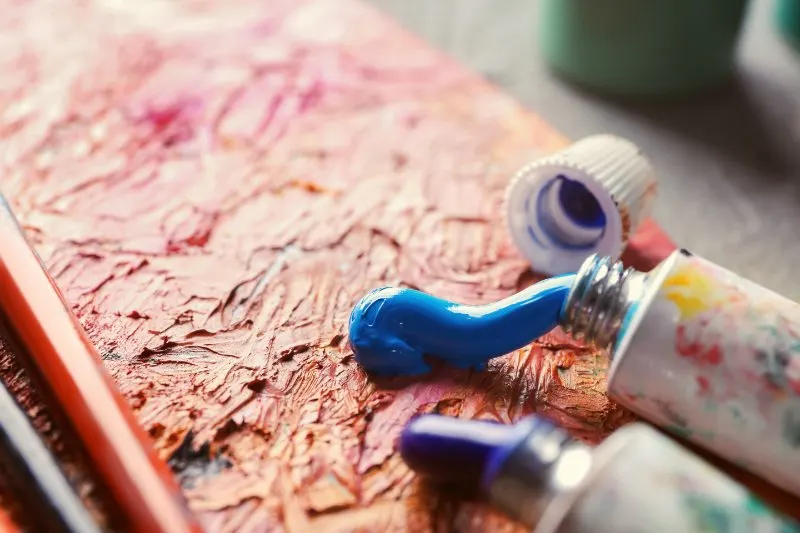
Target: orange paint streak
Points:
(7, 524)
(70, 366)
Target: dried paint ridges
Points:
(165, 157)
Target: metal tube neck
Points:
(599, 299)
(544, 466)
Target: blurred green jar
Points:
(788, 20)
(644, 47)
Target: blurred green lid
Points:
(788, 20)
(642, 46)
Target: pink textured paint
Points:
(214, 184)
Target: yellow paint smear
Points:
(692, 291)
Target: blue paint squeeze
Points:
(392, 329)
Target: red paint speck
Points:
(698, 351)
(172, 120)
(195, 231)
(703, 383)
(162, 116)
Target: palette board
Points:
(214, 185)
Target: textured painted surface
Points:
(728, 376)
(214, 186)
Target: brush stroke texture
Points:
(213, 185)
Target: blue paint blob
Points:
(392, 329)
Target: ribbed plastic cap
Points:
(588, 198)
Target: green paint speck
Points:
(680, 431)
(791, 428)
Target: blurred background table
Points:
(728, 160)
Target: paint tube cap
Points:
(521, 468)
(586, 199)
(455, 450)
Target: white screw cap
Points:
(588, 198)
